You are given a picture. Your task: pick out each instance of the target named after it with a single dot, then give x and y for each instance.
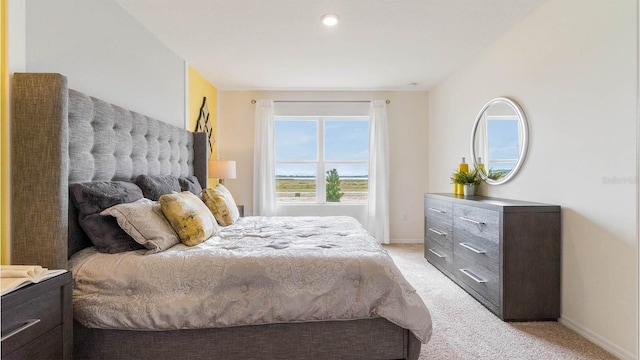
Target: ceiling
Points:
(282, 45)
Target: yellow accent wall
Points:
(4, 139)
(199, 87)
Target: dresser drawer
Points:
(484, 281)
(439, 232)
(438, 211)
(439, 256)
(480, 251)
(439, 224)
(480, 259)
(476, 222)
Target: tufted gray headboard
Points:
(61, 136)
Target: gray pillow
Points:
(155, 186)
(144, 221)
(93, 197)
(191, 184)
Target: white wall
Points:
(106, 53)
(16, 33)
(407, 116)
(572, 65)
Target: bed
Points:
(62, 137)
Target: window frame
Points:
(320, 162)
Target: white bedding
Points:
(258, 271)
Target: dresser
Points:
(504, 253)
(37, 320)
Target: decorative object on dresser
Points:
(457, 178)
(469, 180)
(37, 320)
(505, 253)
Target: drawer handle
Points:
(436, 253)
(437, 210)
(477, 251)
(27, 324)
(437, 232)
(473, 276)
(471, 220)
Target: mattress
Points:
(260, 270)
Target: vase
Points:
(469, 190)
(458, 189)
(463, 166)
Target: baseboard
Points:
(597, 339)
(406, 241)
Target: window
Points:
(322, 159)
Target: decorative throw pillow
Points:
(222, 205)
(191, 184)
(144, 221)
(93, 197)
(189, 217)
(155, 186)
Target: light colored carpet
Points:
(464, 329)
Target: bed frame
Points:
(62, 136)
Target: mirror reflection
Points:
(499, 140)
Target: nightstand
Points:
(241, 210)
(37, 320)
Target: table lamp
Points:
(222, 169)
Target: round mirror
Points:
(499, 140)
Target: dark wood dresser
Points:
(505, 253)
(37, 320)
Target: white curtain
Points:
(378, 205)
(264, 172)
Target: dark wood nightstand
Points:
(241, 210)
(37, 320)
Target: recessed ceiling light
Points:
(329, 19)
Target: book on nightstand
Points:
(13, 277)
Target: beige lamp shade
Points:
(222, 169)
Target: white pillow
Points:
(144, 221)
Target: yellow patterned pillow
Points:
(189, 217)
(220, 201)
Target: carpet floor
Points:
(464, 329)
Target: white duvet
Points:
(260, 270)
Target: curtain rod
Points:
(253, 101)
